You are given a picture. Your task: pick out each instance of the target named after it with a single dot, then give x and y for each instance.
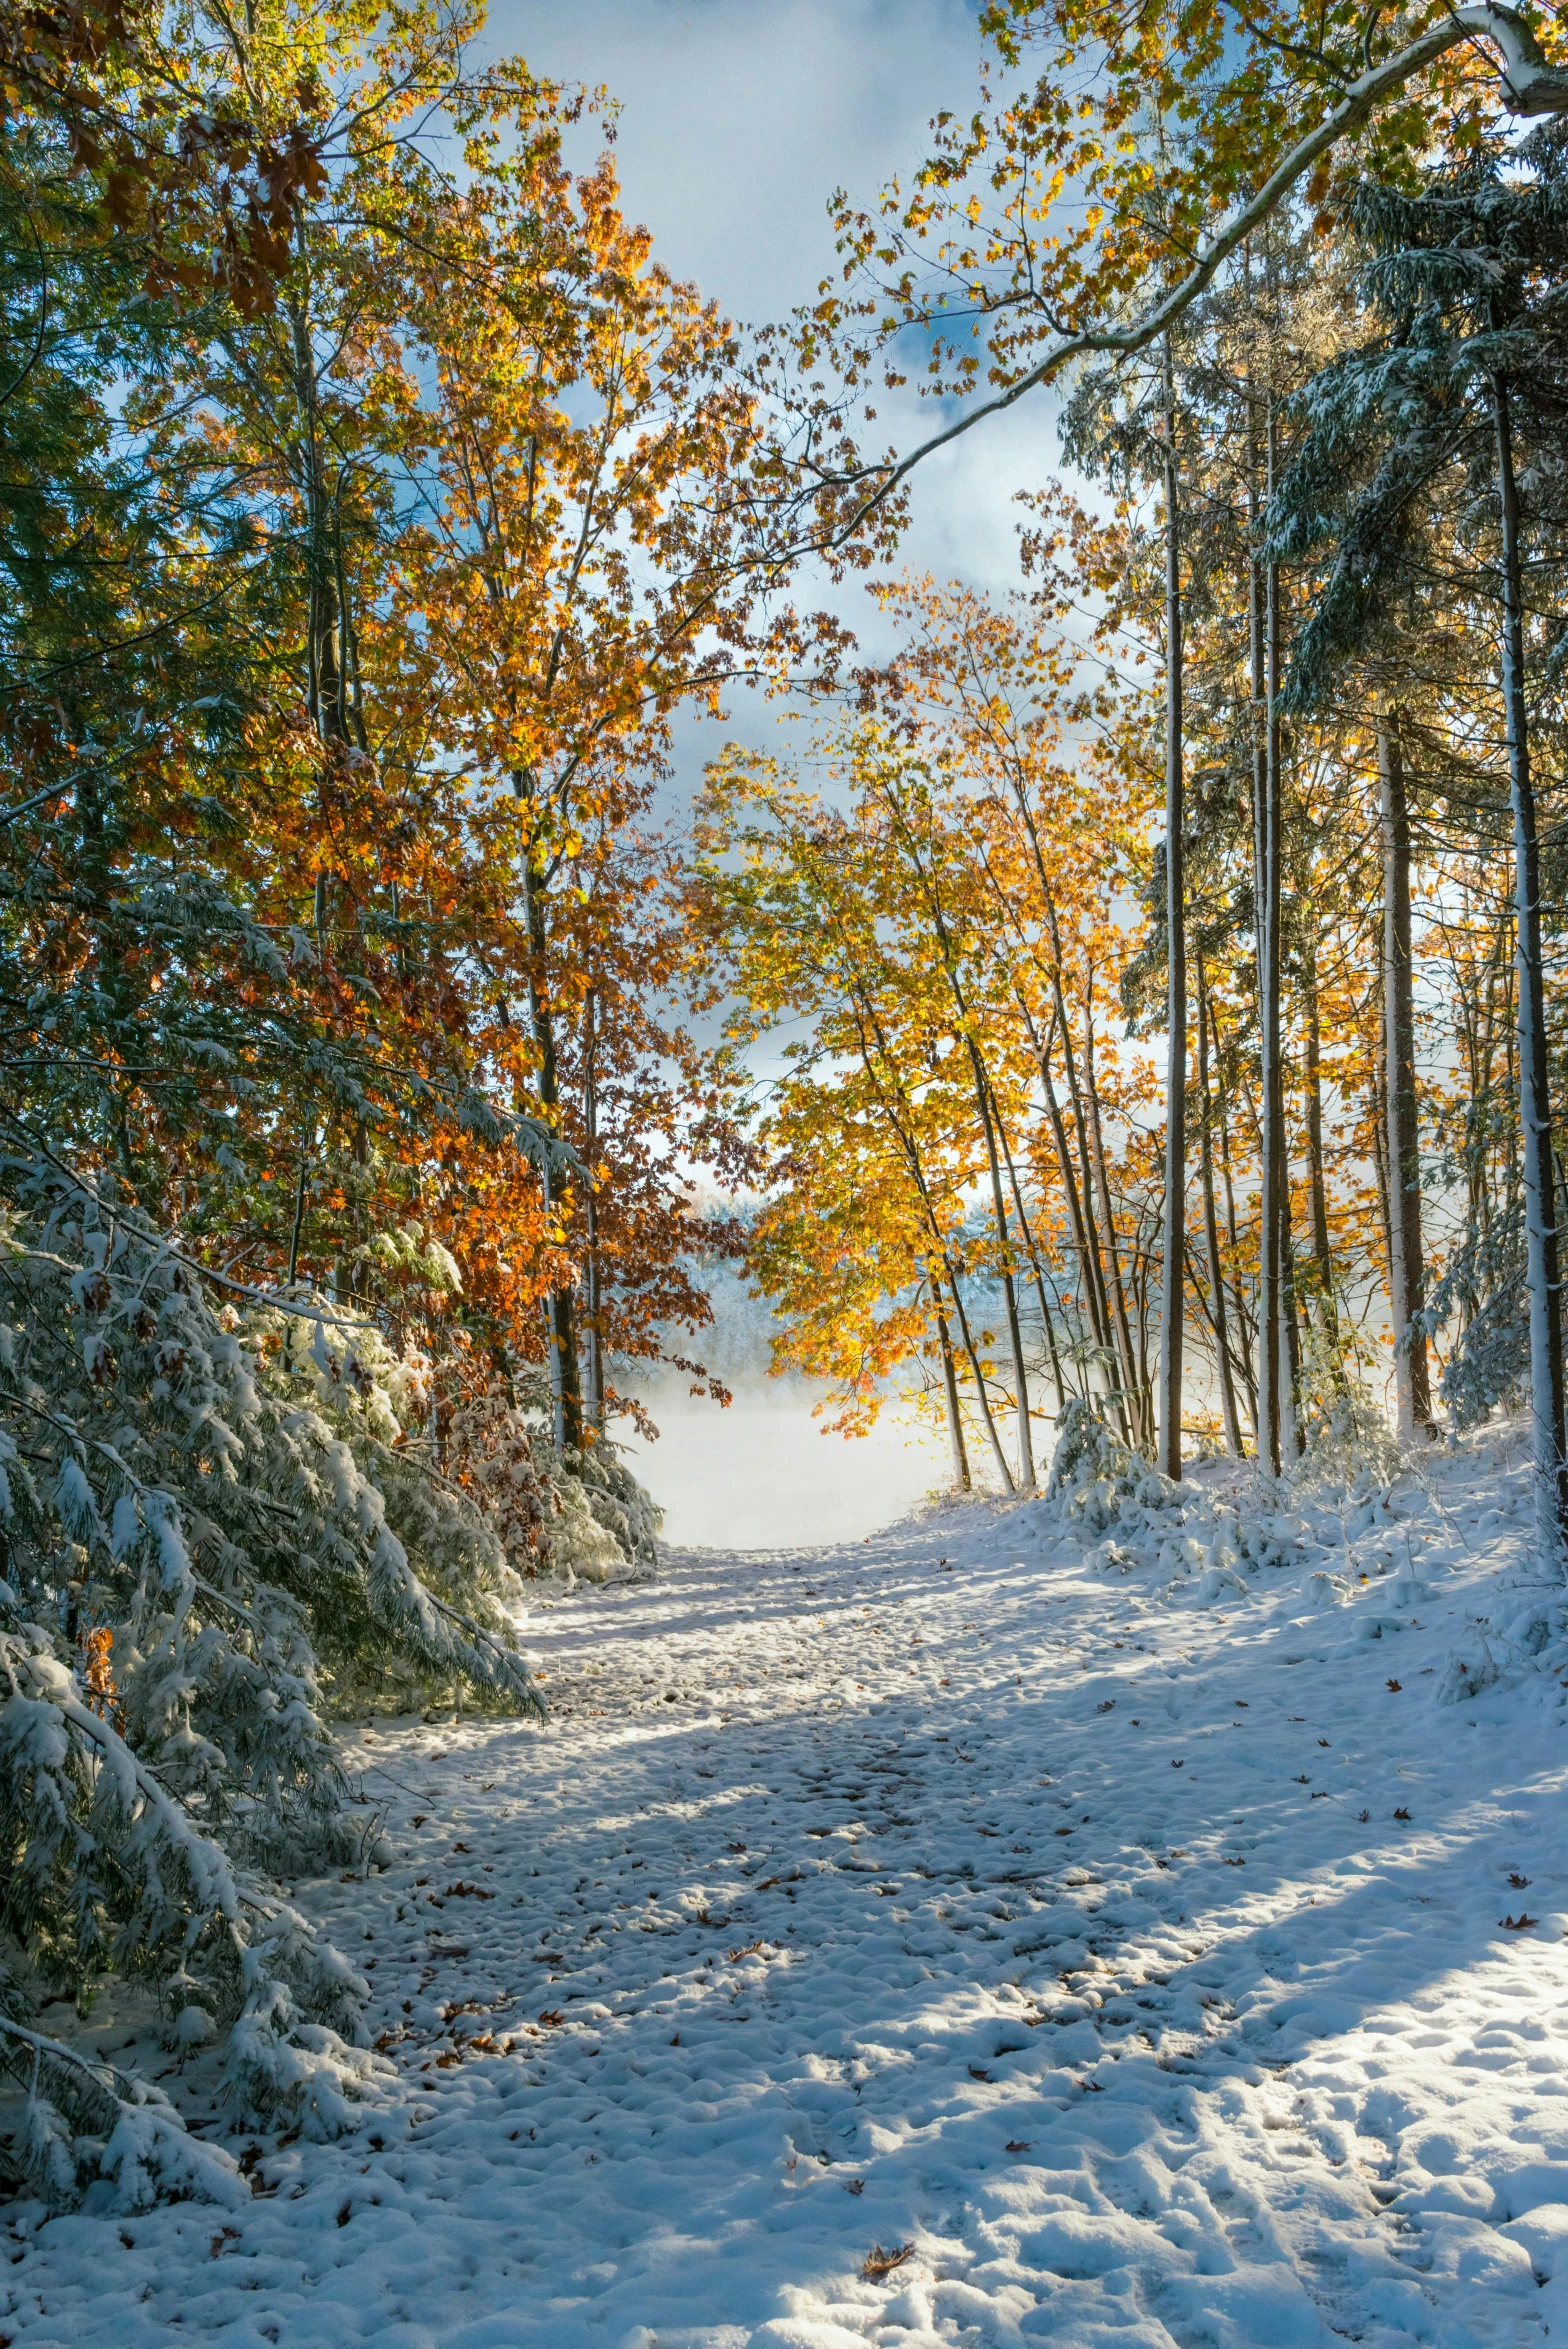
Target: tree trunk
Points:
(1094, 1302)
(1543, 1268)
(1083, 1192)
(981, 1397)
(1036, 1268)
(1137, 1396)
(1403, 1142)
(955, 1423)
(1322, 1251)
(895, 1107)
(1009, 1290)
(1266, 885)
(1244, 1356)
(594, 1400)
(1218, 1318)
(560, 1319)
(1293, 1437)
(1168, 1455)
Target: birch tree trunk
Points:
(1403, 1141)
(1168, 1454)
(1542, 1260)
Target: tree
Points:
(1466, 274)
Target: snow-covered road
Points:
(939, 1940)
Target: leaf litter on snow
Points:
(1130, 2092)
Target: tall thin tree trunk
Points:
(1266, 883)
(560, 1318)
(1542, 1258)
(870, 1028)
(1218, 1318)
(594, 1400)
(1084, 1192)
(1413, 1395)
(1242, 1361)
(1137, 1393)
(1379, 1108)
(955, 1423)
(1036, 1268)
(1088, 1268)
(1168, 1455)
(1293, 1433)
(976, 1367)
(1009, 1288)
(299, 1212)
(1322, 1252)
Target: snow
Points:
(979, 1890)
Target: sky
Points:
(738, 120)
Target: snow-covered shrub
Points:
(1466, 1676)
(619, 1505)
(208, 1519)
(1097, 1483)
(84, 2121)
(1344, 1428)
(573, 1513)
(490, 1453)
(1096, 1480)
(1483, 1283)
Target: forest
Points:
(1118, 1020)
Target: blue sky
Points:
(738, 119)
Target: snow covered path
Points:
(1132, 1969)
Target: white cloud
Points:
(738, 120)
(740, 117)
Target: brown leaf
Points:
(879, 2263)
